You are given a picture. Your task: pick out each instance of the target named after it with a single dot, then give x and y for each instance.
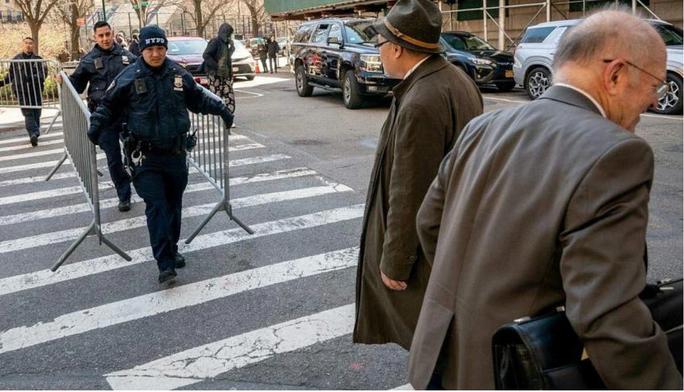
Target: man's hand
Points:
(227, 117)
(392, 284)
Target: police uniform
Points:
(154, 103)
(97, 70)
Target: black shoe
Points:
(167, 276)
(125, 205)
(179, 260)
(34, 140)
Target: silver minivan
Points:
(534, 54)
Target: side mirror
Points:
(334, 40)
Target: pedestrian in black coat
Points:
(272, 48)
(218, 65)
(27, 78)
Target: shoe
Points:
(125, 205)
(167, 276)
(179, 260)
(34, 140)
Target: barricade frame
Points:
(52, 101)
(88, 180)
(200, 156)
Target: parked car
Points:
(336, 53)
(480, 60)
(534, 55)
(284, 45)
(253, 45)
(187, 51)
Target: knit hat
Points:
(152, 35)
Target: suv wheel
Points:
(350, 91)
(671, 103)
(537, 81)
(303, 87)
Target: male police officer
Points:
(153, 97)
(99, 68)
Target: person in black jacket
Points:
(272, 47)
(153, 97)
(27, 78)
(97, 70)
(219, 66)
(133, 46)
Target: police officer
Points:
(98, 69)
(153, 97)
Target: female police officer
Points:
(153, 95)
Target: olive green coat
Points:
(430, 108)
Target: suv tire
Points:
(351, 92)
(672, 101)
(505, 86)
(537, 81)
(304, 89)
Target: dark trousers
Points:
(109, 143)
(160, 181)
(32, 121)
(264, 64)
(273, 63)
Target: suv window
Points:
(304, 33)
(536, 35)
(335, 32)
(671, 35)
(454, 41)
(356, 31)
(320, 34)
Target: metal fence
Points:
(210, 158)
(30, 84)
(81, 152)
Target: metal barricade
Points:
(210, 158)
(81, 152)
(30, 84)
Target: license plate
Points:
(235, 69)
(509, 73)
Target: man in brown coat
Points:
(431, 105)
(546, 204)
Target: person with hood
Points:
(273, 48)
(27, 76)
(262, 50)
(219, 66)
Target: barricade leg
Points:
(115, 248)
(59, 164)
(89, 230)
(59, 113)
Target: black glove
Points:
(94, 137)
(227, 117)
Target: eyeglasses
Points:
(379, 44)
(663, 86)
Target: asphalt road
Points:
(268, 311)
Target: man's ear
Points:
(615, 77)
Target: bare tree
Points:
(204, 11)
(70, 11)
(141, 7)
(35, 12)
(256, 12)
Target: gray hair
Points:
(608, 32)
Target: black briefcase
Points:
(544, 352)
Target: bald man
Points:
(544, 205)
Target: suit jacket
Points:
(429, 109)
(537, 206)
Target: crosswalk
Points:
(282, 291)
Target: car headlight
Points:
(370, 63)
(482, 61)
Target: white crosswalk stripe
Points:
(173, 299)
(140, 221)
(293, 202)
(25, 139)
(113, 202)
(194, 365)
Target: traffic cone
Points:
(256, 68)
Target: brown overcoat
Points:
(429, 109)
(538, 206)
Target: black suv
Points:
(480, 60)
(337, 53)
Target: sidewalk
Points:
(11, 118)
